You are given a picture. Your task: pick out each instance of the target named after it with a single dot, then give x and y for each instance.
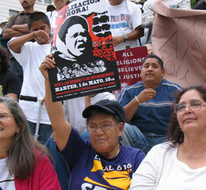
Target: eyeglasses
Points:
(193, 105)
(104, 127)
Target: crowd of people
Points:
(152, 134)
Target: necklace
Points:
(117, 152)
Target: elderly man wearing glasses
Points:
(103, 163)
(179, 163)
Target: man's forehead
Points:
(151, 60)
(38, 24)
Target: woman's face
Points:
(104, 134)
(8, 127)
(192, 113)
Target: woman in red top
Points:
(24, 164)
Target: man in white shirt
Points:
(125, 23)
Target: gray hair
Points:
(21, 154)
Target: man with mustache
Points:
(17, 26)
(147, 105)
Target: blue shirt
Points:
(89, 170)
(152, 116)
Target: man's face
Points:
(27, 4)
(151, 71)
(59, 4)
(76, 39)
(40, 25)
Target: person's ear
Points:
(17, 130)
(121, 128)
(141, 73)
(163, 72)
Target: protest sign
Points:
(178, 37)
(129, 62)
(83, 52)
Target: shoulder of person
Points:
(171, 84)
(133, 150)
(149, 3)
(13, 16)
(20, 14)
(161, 148)
(135, 154)
(133, 6)
(139, 84)
(10, 22)
(134, 86)
(41, 158)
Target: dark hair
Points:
(4, 59)
(69, 22)
(156, 57)
(36, 16)
(50, 8)
(175, 134)
(21, 154)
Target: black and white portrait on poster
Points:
(83, 52)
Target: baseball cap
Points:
(109, 106)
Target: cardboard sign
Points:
(178, 37)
